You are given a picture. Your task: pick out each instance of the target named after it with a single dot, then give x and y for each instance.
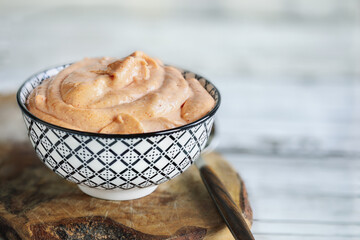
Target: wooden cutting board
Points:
(35, 203)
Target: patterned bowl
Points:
(116, 166)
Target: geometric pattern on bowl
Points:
(113, 161)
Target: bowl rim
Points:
(106, 135)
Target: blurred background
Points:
(288, 72)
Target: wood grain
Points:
(37, 204)
(226, 205)
(302, 198)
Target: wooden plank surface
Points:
(302, 197)
(289, 118)
(293, 197)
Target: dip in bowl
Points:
(112, 157)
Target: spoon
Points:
(226, 206)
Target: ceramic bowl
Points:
(116, 166)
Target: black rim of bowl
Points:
(104, 135)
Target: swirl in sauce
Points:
(136, 94)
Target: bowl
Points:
(116, 166)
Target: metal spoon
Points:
(226, 206)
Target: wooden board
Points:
(35, 203)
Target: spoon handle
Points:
(230, 212)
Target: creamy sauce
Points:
(136, 94)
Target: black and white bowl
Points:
(116, 166)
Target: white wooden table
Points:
(288, 72)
